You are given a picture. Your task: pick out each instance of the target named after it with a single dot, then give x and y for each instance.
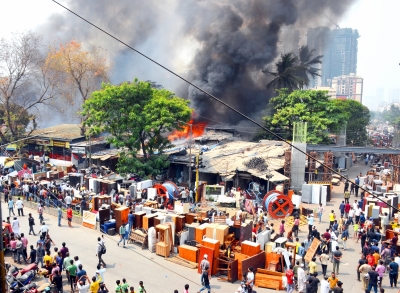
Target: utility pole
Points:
(190, 156)
(197, 177)
(2, 263)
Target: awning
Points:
(9, 164)
(228, 177)
(277, 177)
(106, 157)
(11, 147)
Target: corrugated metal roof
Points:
(63, 132)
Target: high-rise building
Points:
(339, 47)
(343, 53)
(288, 41)
(348, 87)
(318, 39)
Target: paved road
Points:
(160, 275)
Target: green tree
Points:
(313, 107)
(286, 74)
(357, 117)
(306, 65)
(137, 116)
(294, 71)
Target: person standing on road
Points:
(31, 222)
(71, 272)
(310, 221)
(131, 220)
(290, 280)
(11, 207)
(122, 234)
(320, 211)
(393, 269)
(15, 226)
(40, 212)
(44, 229)
(324, 258)
(59, 215)
(346, 186)
(337, 255)
(332, 218)
(69, 216)
(20, 206)
(141, 288)
(6, 192)
(100, 250)
(373, 280)
(40, 254)
(205, 281)
(346, 196)
(361, 262)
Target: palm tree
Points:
(287, 73)
(306, 63)
(294, 72)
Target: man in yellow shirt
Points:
(377, 257)
(48, 258)
(332, 217)
(332, 280)
(95, 285)
(312, 266)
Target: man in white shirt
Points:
(68, 200)
(250, 277)
(355, 205)
(20, 206)
(82, 286)
(25, 188)
(183, 195)
(15, 226)
(100, 272)
(44, 229)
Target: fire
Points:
(197, 130)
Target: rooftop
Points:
(260, 159)
(62, 132)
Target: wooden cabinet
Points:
(121, 216)
(221, 232)
(190, 218)
(200, 232)
(188, 252)
(213, 244)
(139, 219)
(163, 245)
(250, 248)
(148, 221)
(240, 257)
(179, 223)
(210, 230)
(159, 220)
(98, 201)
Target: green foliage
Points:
(391, 115)
(323, 116)
(294, 71)
(137, 116)
(357, 117)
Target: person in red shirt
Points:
(290, 279)
(370, 259)
(69, 216)
(347, 208)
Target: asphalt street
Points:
(160, 275)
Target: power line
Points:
(216, 99)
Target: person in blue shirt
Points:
(131, 220)
(362, 218)
(393, 269)
(341, 209)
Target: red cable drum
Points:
(278, 205)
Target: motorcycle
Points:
(23, 280)
(14, 271)
(30, 288)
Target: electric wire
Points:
(221, 102)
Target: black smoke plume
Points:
(229, 42)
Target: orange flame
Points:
(197, 130)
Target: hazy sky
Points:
(376, 21)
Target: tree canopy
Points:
(81, 71)
(137, 115)
(26, 84)
(294, 71)
(323, 116)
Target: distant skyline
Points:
(376, 22)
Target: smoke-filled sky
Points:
(221, 45)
